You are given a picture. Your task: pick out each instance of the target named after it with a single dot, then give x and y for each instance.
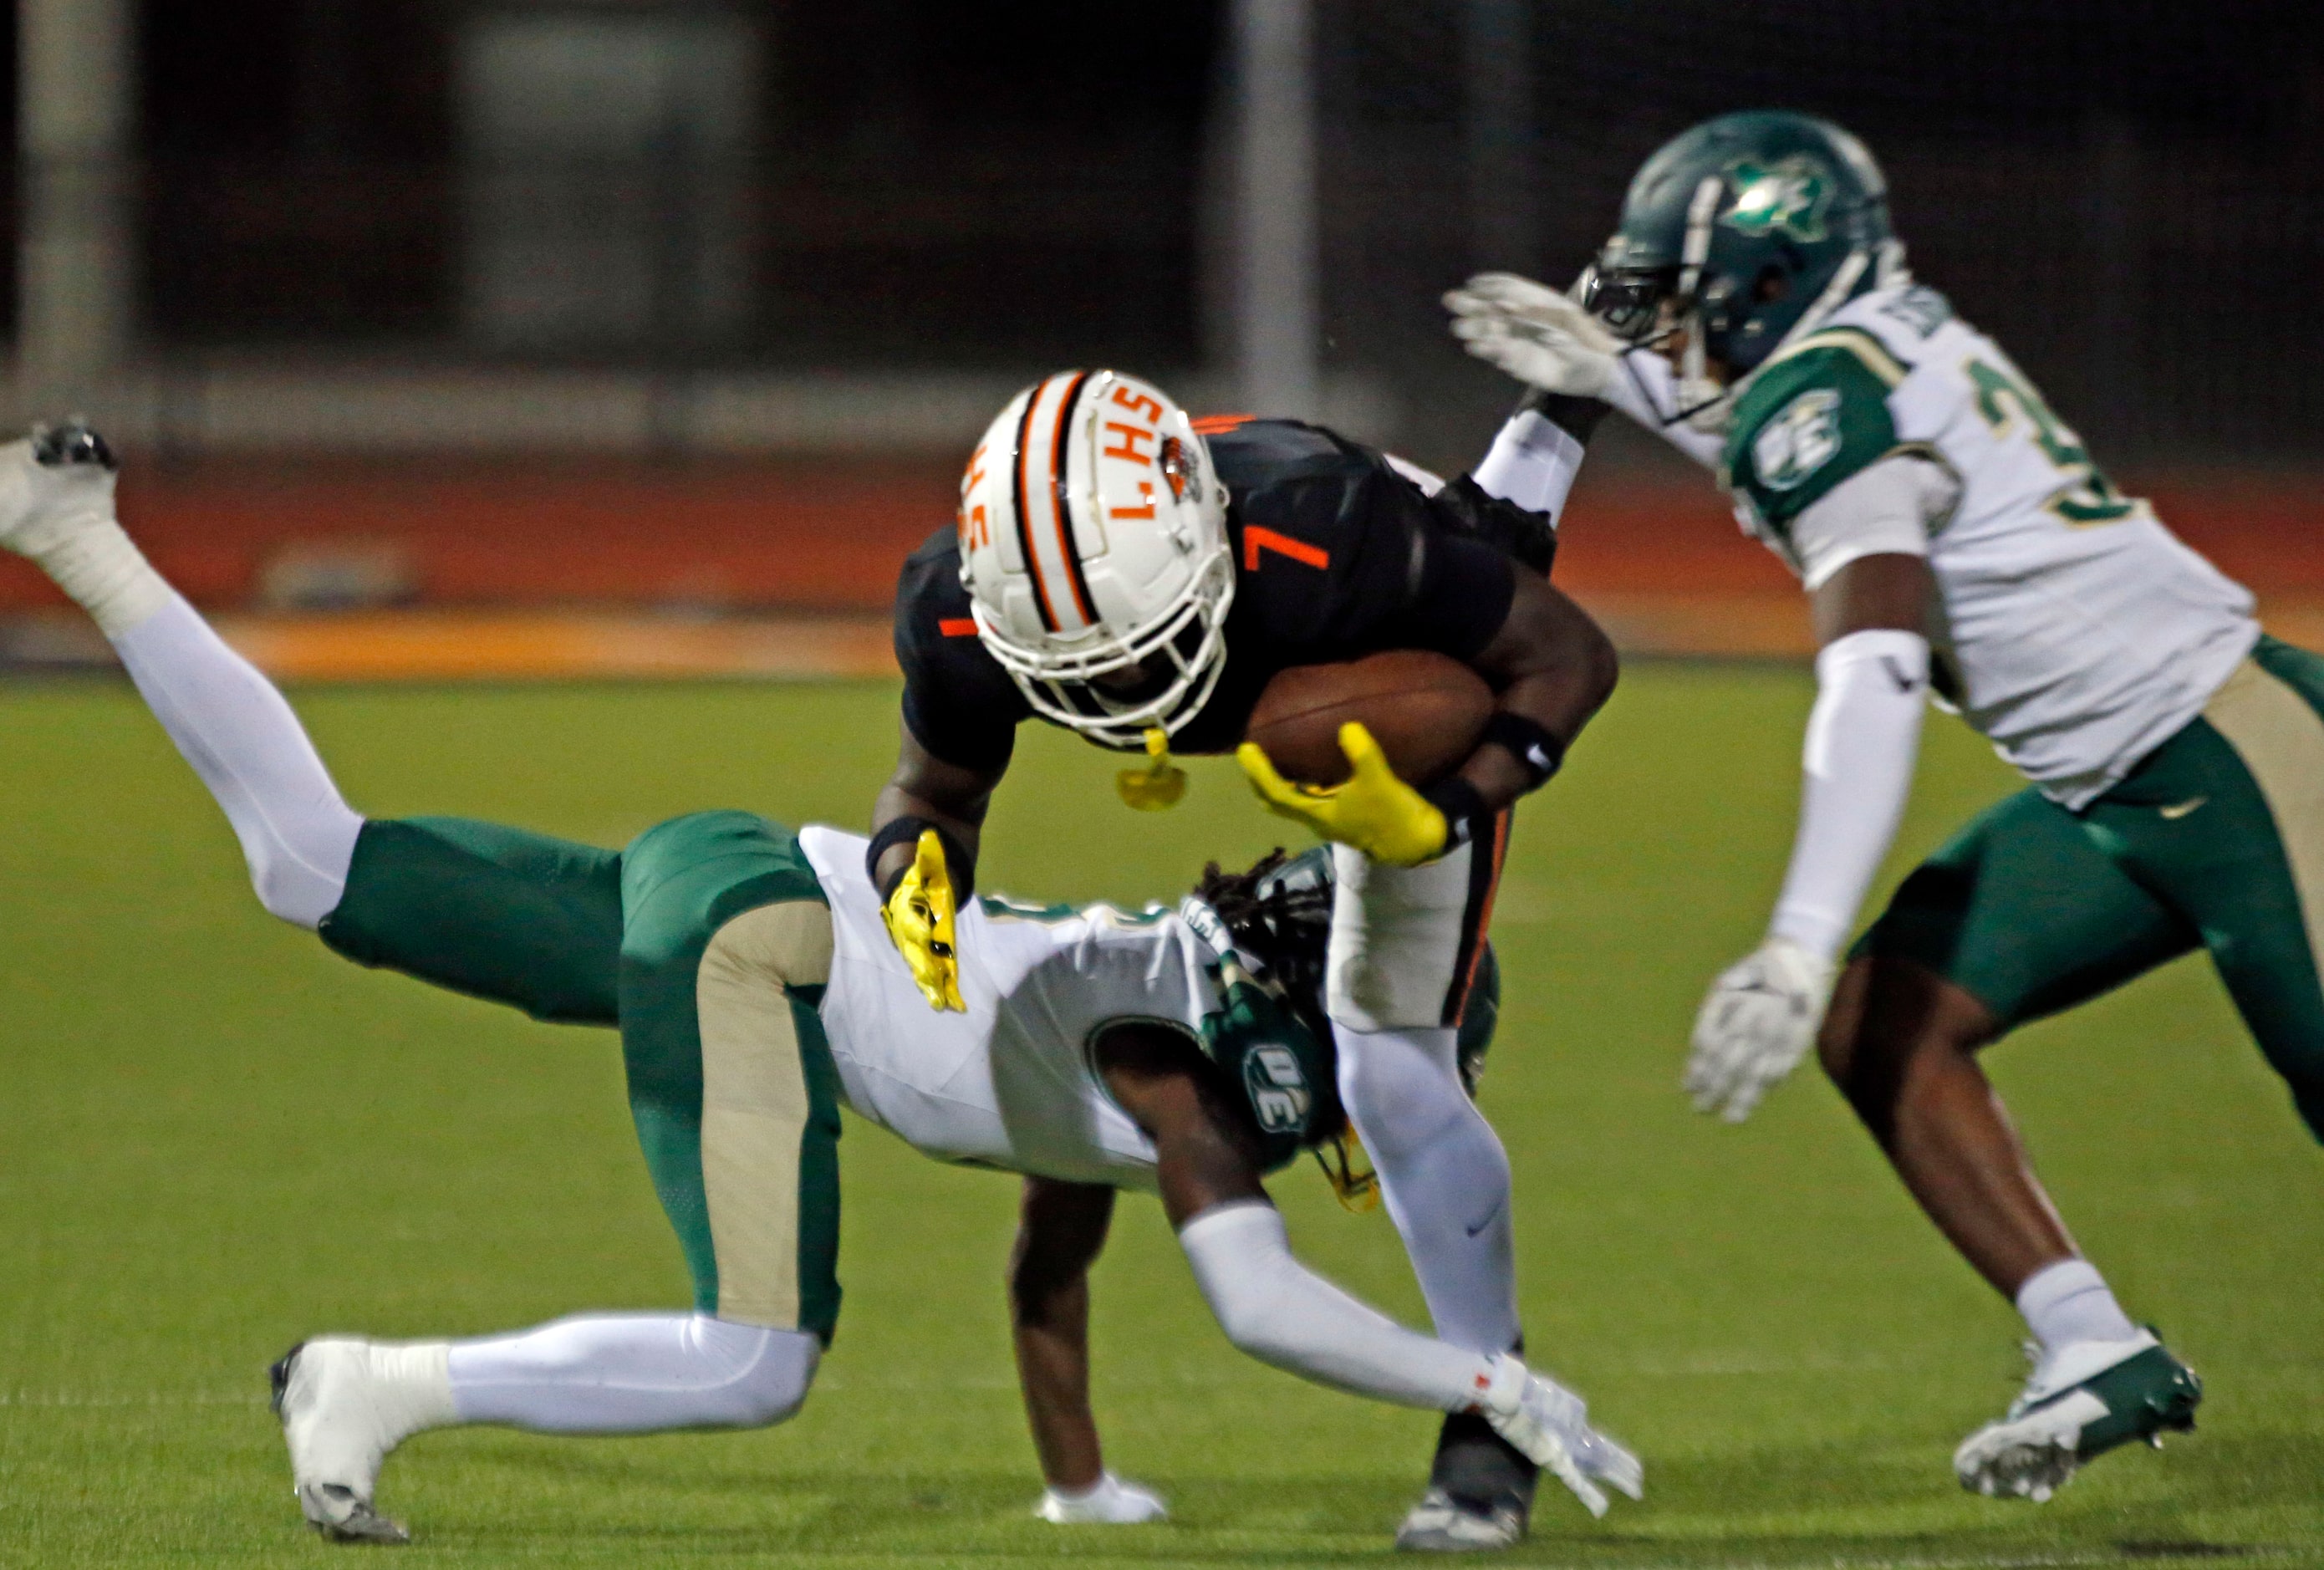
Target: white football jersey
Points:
(2072, 628)
(1009, 1084)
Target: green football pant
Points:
(2216, 841)
(708, 942)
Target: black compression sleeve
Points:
(1577, 417)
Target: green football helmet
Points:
(1747, 231)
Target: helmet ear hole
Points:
(1771, 285)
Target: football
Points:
(1425, 710)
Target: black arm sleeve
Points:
(1577, 417)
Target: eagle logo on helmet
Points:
(1787, 197)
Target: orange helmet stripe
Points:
(1024, 524)
(1066, 541)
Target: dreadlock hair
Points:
(1282, 928)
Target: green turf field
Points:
(218, 1137)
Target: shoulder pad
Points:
(1810, 420)
(1256, 451)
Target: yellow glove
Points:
(1157, 786)
(1374, 811)
(919, 915)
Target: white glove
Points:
(1536, 335)
(1107, 1502)
(1757, 1024)
(1550, 1425)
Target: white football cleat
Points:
(340, 1420)
(1550, 1425)
(1109, 1502)
(1442, 1524)
(2084, 1399)
(53, 482)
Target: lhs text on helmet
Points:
(1093, 533)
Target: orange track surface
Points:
(487, 547)
(796, 535)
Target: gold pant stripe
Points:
(2280, 740)
(755, 1104)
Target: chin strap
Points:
(1357, 1191)
(1697, 393)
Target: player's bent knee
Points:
(2305, 1077)
(1892, 1023)
(763, 1402)
(762, 1381)
(1843, 1018)
(293, 889)
(1394, 954)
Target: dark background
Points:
(2129, 195)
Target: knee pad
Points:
(763, 1375)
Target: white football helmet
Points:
(1093, 544)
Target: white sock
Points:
(410, 1387)
(1283, 1314)
(1442, 1173)
(633, 1374)
(372, 1396)
(96, 563)
(2070, 1301)
(298, 836)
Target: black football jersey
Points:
(1337, 555)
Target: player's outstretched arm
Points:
(1060, 1228)
(1275, 1309)
(1872, 676)
(1545, 339)
(946, 795)
(922, 859)
(1554, 668)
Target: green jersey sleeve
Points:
(1810, 420)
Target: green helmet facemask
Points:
(1748, 232)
